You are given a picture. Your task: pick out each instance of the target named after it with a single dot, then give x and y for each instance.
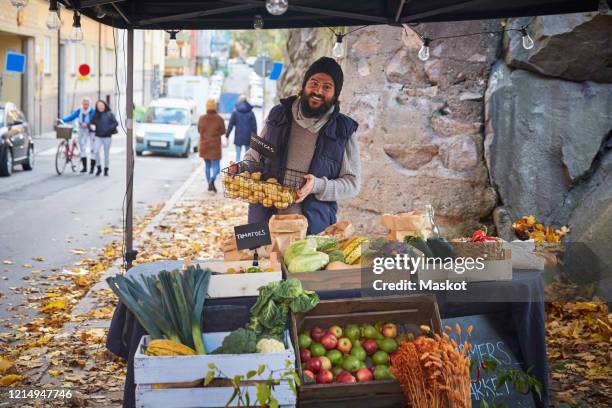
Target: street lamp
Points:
(258, 22)
(53, 19)
(76, 34)
(277, 7)
(527, 41)
(19, 4)
(338, 50)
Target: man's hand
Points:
(306, 189)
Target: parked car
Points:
(16, 144)
(169, 126)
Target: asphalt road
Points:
(46, 215)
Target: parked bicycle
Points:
(68, 148)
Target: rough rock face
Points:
(576, 47)
(542, 136)
(421, 124)
(304, 46)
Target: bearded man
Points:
(313, 137)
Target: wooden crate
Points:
(342, 279)
(408, 312)
(494, 270)
(150, 370)
(241, 284)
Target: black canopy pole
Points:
(129, 170)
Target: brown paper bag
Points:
(285, 229)
(340, 231)
(410, 223)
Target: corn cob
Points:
(352, 249)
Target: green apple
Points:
(304, 340)
(359, 353)
(317, 350)
(350, 364)
(380, 358)
(352, 332)
(335, 356)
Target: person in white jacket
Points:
(83, 116)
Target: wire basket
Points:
(63, 132)
(256, 183)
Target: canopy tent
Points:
(239, 14)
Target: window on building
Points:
(110, 60)
(73, 58)
(92, 60)
(83, 54)
(47, 55)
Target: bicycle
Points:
(67, 150)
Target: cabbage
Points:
(324, 243)
(306, 246)
(308, 263)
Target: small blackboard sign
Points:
(263, 147)
(251, 236)
(492, 337)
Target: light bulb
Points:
(76, 34)
(53, 20)
(527, 41)
(258, 22)
(603, 8)
(277, 7)
(100, 12)
(338, 50)
(173, 48)
(19, 4)
(424, 51)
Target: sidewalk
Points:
(187, 227)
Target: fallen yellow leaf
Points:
(10, 379)
(5, 365)
(55, 305)
(54, 373)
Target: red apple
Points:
(344, 345)
(370, 346)
(363, 375)
(305, 355)
(389, 330)
(317, 334)
(336, 331)
(325, 377)
(325, 363)
(309, 376)
(329, 341)
(314, 365)
(345, 377)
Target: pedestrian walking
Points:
(104, 125)
(243, 120)
(83, 116)
(211, 128)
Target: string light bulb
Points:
(76, 34)
(339, 50)
(527, 40)
(19, 4)
(53, 19)
(603, 8)
(258, 22)
(100, 12)
(173, 48)
(277, 7)
(424, 51)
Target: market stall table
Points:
(525, 315)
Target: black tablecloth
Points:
(527, 318)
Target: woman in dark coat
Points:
(211, 128)
(243, 119)
(104, 125)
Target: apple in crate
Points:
(345, 377)
(305, 355)
(329, 341)
(325, 363)
(325, 377)
(344, 345)
(364, 374)
(309, 376)
(336, 331)
(370, 346)
(314, 365)
(389, 330)
(317, 334)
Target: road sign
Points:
(261, 64)
(276, 71)
(84, 70)
(15, 62)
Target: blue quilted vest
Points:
(326, 161)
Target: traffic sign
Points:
(276, 71)
(260, 64)
(84, 70)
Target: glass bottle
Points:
(429, 213)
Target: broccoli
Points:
(239, 341)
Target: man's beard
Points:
(311, 112)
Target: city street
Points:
(49, 222)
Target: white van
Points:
(189, 87)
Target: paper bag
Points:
(285, 229)
(410, 223)
(340, 231)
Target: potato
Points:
(267, 203)
(272, 180)
(232, 194)
(258, 186)
(244, 193)
(252, 199)
(256, 175)
(281, 205)
(287, 197)
(259, 195)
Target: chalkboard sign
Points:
(263, 147)
(251, 236)
(492, 337)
